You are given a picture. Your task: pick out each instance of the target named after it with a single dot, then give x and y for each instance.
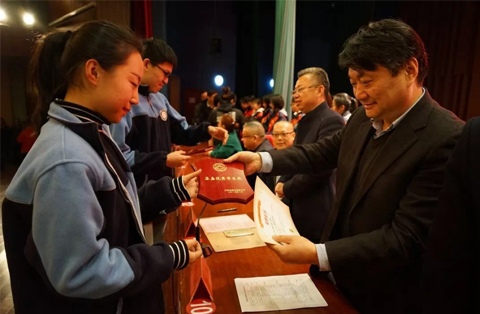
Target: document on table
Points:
(271, 215)
(278, 293)
(222, 223)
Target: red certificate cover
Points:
(221, 183)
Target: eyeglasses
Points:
(167, 74)
(247, 136)
(299, 90)
(282, 134)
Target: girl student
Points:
(71, 216)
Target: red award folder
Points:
(221, 183)
(201, 289)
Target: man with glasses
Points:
(146, 133)
(283, 135)
(310, 196)
(390, 161)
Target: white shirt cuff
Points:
(267, 162)
(322, 257)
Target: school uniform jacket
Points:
(146, 133)
(72, 224)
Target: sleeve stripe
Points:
(185, 254)
(174, 256)
(175, 190)
(180, 254)
(183, 189)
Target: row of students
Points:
(72, 215)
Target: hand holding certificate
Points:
(272, 217)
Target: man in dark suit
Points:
(390, 161)
(310, 196)
(253, 139)
(451, 276)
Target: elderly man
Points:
(253, 138)
(390, 161)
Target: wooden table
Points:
(226, 266)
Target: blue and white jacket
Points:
(146, 133)
(73, 225)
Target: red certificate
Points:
(221, 183)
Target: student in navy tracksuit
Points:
(146, 133)
(72, 218)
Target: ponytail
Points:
(46, 80)
(59, 56)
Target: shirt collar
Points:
(84, 114)
(143, 90)
(378, 124)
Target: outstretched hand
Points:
(218, 133)
(252, 161)
(294, 249)
(191, 183)
(177, 159)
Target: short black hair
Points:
(210, 93)
(247, 99)
(388, 43)
(158, 52)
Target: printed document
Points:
(278, 293)
(271, 215)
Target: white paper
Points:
(222, 223)
(271, 215)
(278, 293)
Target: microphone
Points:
(206, 249)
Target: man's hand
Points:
(279, 189)
(218, 133)
(191, 183)
(295, 250)
(252, 161)
(177, 159)
(194, 249)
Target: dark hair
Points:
(228, 122)
(228, 95)
(266, 99)
(343, 99)
(210, 93)
(247, 99)
(277, 101)
(158, 52)
(58, 57)
(217, 100)
(389, 43)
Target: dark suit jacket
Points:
(310, 196)
(265, 146)
(451, 276)
(376, 258)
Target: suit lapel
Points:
(401, 139)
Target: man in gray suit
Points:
(390, 161)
